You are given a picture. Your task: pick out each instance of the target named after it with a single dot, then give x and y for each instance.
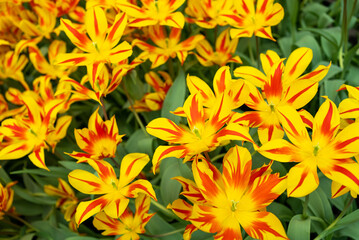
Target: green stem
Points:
(250, 51)
(164, 234)
(344, 37)
(21, 220)
(305, 207)
(217, 157)
(341, 215)
(257, 48)
(163, 209)
(207, 156)
(116, 163)
(170, 67)
(134, 111)
(103, 108)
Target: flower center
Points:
(316, 149)
(234, 205)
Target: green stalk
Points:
(305, 207)
(163, 209)
(332, 225)
(21, 220)
(134, 111)
(257, 48)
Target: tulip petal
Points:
(131, 165)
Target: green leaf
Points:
(139, 142)
(175, 97)
(309, 41)
(55, 172)
(299, 228)
(28, 236)
(170, 188)
(73, 165)
(329, 89)
(158, 225)
(320, 206)
(285, 44)
(281, 211)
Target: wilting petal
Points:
(237, 165)
(131, 165)
(88, 183)
(162, 152)
(302, 179)
(262, 225)
(88, 208)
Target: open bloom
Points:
(204, 133)
(101, 45)
(115, 192)
(99, 140)
(328, 150)
(168, 46)
(222, 203)
(154, 12)
(281, 85)
(129, 226)
(208, 13)
(225, 49)
(249, 20)
(34, 131)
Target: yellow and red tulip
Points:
(249, 20)
(233, 199)
(225, 49)
(153, 12)
(99, 140)
(115, 192)
(100, 46)
(327, 150)
(281, 85)
(204, 133)
(168, 46)
(128, 225)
